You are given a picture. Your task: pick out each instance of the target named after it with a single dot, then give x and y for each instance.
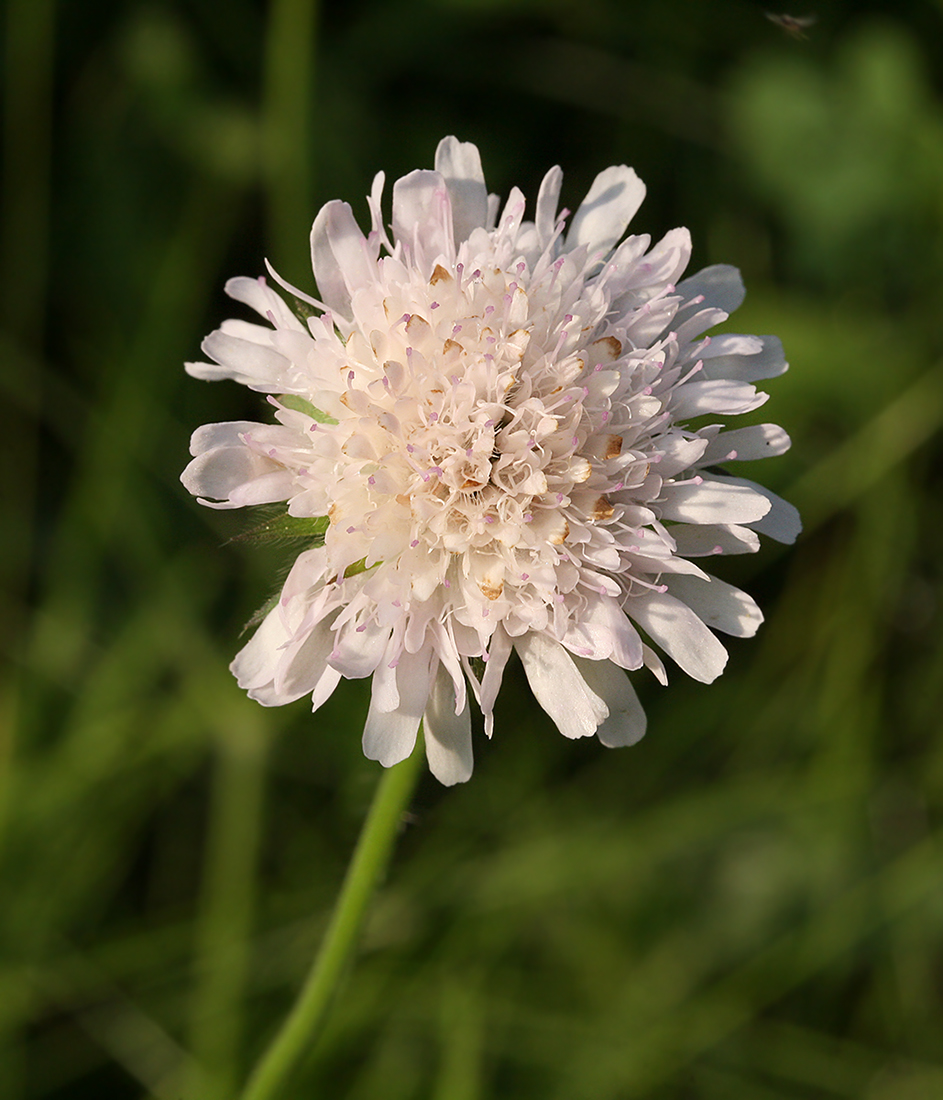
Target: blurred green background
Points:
(748, 904)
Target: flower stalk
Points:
(305, 1022)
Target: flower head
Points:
(486, 429)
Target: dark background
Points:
(748, 903)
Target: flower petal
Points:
(341, 256)
(718, 604)
(548, 198)
(719, 286)
(721, 538)
(244, 361)
(714, 501)
(602, 631)
(389, 737)
(680, 633)
(717, 396)
(228, 433)
(255, 665)
(236, 476)
(448, 735)
(627, 721)
(782, 522)
(302, 665)
(747, 444)
(609, 206)
(459, 164)
(769, 362)
(422, 216)
(257, 294)
(558, 686)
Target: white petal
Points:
(332, 286)
(645, 273)
(254, 666)
(714, 501)
(422, 217)
(498, 652)
(548, 197)
(459, 164)
(719, 395)
(357, 652)
(722, 538)
(759, 441)
(324, 688)
(626, 722)
(558, 686)
(603, 631)
(767, 363)
(251, 364)
(414, 680)
(226, 434)
(782, 522)
(655, 665)
(227, 474)
(302, 666)
(680, 633)
(448, 735)
(609, 206)
(718, 604)
(342, 255)
(730, 344)
(390, 736)
(689, 323)
(384, 693)
(270, 488)
(260, 297)
(248, 330)
(679, 453)
(720, 285)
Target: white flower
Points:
(497, 419)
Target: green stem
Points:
(303, 1025)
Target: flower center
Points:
(464, 421)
